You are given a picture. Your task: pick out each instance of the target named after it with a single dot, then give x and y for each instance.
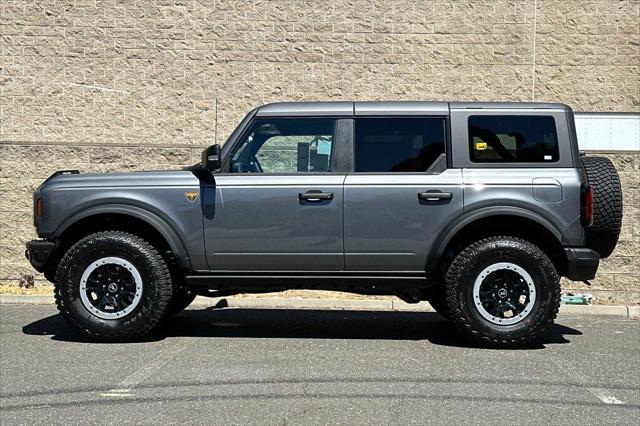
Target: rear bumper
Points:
(582, 263)
(38, 253)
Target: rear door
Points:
(401, 193)
(279, 205)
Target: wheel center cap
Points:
(502, 293)
(112, 288)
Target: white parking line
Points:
(602, 394)
(116, 395)
(125, 387)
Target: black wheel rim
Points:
(504, 293)
(110, 287)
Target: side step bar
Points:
(307, 281)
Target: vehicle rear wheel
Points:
(113, 286)
(502, 291)
(602, 236)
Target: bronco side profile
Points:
(478, 208)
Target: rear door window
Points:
(396, 145)
(512, 139)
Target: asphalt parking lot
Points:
(257, 366)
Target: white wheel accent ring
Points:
(497, 267)
(110, 261)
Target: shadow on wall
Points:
(301, 324)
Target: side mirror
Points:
(212, 158)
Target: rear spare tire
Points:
(602, 236)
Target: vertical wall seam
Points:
(215, 129)
(533, 65)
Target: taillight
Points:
(587, 206)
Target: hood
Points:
(69, 179)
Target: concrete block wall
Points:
(106, 85)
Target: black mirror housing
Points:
(212, 158)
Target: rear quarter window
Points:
(513, 139)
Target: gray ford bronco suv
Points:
(478, 208)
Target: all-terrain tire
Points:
(602, 236)
(467, 267)
(155, 298)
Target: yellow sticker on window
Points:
(481, 146)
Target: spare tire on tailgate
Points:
(602, 236)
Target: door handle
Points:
(434, 197)
(315, 195)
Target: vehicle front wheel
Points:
(502, 291)
(113, 286)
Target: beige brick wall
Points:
(128, 85)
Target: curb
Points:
(619, 311)
(26, 299)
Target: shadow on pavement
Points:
(301, 324)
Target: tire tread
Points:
(603, 235)
(156, 316)
(452, 282)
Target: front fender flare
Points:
(165, 229)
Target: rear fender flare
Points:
(452, 230)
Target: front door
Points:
(401, 194)
(279, 205)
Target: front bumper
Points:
(39, 252)
(582, 263)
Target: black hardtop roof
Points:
(373, 108)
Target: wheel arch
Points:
(130, 218)
(506, 220)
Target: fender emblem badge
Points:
(191, 196)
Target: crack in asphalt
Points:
(405, 396)
(411, 380)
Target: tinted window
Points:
(530, 139)
(296, 145)
(398, 144)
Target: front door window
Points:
(286, 146)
